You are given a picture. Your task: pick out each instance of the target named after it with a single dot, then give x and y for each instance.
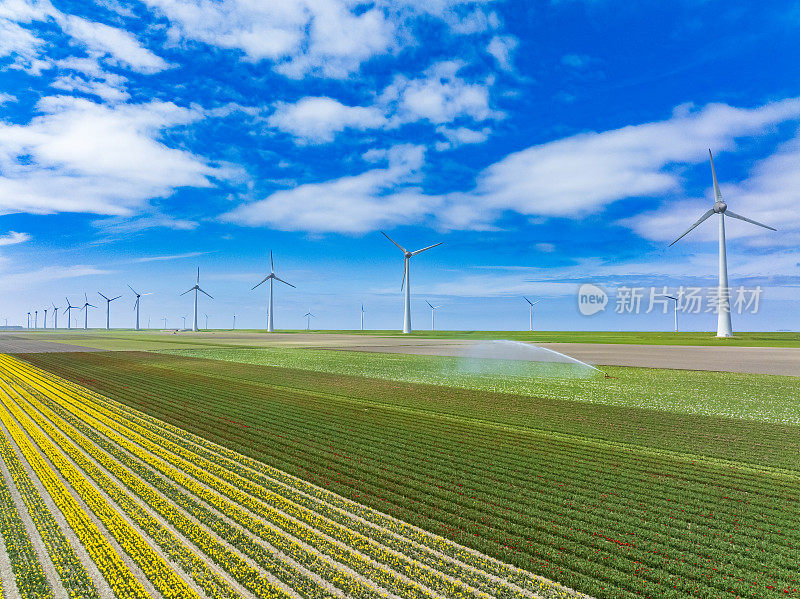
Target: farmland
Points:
(616, 501)
(123, 504)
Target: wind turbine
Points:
(108, 307)
(196, 288)
(530, 311)
(724, 328)
(86, 306)
(407, 279)
(67, 310)
(136, 305)
(234, 322)
(271, 277)
(206, 315)
(36, 319)
(362, 317)
(308, 316)
(29, 320)
(55, 316)
(45, 318)
(433, 309)
(165, 322)
(184, 322)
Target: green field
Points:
(153, 339)
(619, 499)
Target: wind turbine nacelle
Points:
(720, 207)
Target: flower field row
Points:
(598, 512)
(155, 511)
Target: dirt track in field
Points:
(17, 344)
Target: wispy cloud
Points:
(13, 238)
(169, 257)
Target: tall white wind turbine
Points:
(196, 288)
(55, 315)
(308, 316)
(45, 318)
(407, 278)
(530, 311)
(433, 309)
(362, 317)
(108, 308)
(86, 306)
(724, 328)
(29, 320)
(67, 310)
(271, 277)
(136, 304)
(36, 319)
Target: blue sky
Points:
(547, 144)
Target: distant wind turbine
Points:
(184, 322)
(45, 318)
(68, 311)
(86, 306)
(29, 320)
(196, 288)
(433, 309)
(165, 322)
(55, 315)
(308, 316)
(530, 311)
(206, 315)
(724, 328)
(36, 319)
(362, 317)
(675, 299)
(271, 277)
(137, 303)
(407, 278)
(108, 308)
(234, 322)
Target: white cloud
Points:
(6, 98)
(170, 257)
(317, 120)
(581, 174)
(102, 89)
(441, 96)
(460, 136)
(13, 238)
(34, 279)
(770, 194)
(502, 47)
(355, 204)
(79, 156)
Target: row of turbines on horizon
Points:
(724, 328)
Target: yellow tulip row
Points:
(352, 585)
(29, 575)
(397, 556)
(73, 574)
(114, 570)
(515, 577)
(214, 586)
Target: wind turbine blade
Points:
(187, 291)
(671, 297)
(198, 275)
(150, 293)
(404, 278)
(264, 280)
(700, 220)
(103, 296)
(201, 291)
(427, 248)
(91, 305)
(271, 262)
(717, 192)
(132, 289)
(527, 300)
(748, 220)
(282, 281)
(402, 249)
(429, 304)
(114, 298)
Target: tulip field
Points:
(614, 501)
(100, 500)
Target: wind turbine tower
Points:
(68, 311)
(55, 316)
(45, 318)
(29, 320)
(433, 309)
(407, 279)
(271, 277)
(86, 306)
(206, 315)
(136, 305)
(724, 328)
(362, 317)
(196, 288)
(108, 308)
(530, 311)
(36, 319)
